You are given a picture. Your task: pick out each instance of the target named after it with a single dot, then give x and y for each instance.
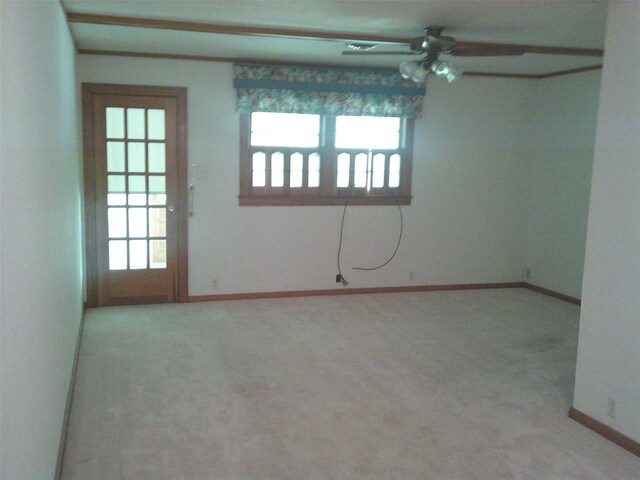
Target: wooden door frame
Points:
(91, 241)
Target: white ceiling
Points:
(559, 23)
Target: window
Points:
(285, 130)
(309, 159)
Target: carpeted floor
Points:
(440, 385)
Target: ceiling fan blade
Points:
(487, 51)
(375, 52)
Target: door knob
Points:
(171, 208)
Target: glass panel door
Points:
(135, 169)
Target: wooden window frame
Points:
(327, 193)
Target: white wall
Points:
(465, 224)
(609, 343)
(40, 252)
(563, 122)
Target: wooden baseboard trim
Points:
(551, 293)
(67, 409)
(607, 432)
(365, 291)
(351, 291)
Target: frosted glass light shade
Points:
(445, 69)
(408, 68)
(420, 74)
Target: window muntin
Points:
(347, 160)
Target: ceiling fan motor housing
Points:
(432, 43)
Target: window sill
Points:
(299, 201)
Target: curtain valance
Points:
(326, 91)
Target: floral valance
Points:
(326, 91)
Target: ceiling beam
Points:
(302, 34)
(207, 58)
(229, 29)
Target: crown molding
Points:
(205, 58)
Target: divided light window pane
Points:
(117, 222)
(157, 199)
(137, 183)
(137, 222)
(156, 157)
(378, 171)
(135, 123)
(314, 170)
(367, 132)
(137, 254)
(117, 254)
(115, 122)
(136, 157)
(285, 130)
(116, 199)
(343, 170)
(158, 253)
(258, 167)
(394, 171)
(277, 169)
(115, 183)
(137, 199)
(296, 165)
(157, 222)
(155, 124)
(157, 184)
(360, 171)
(115, 156)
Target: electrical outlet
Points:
(527, 273)
(215, 284)
(411, 276)
(611, 407)
(338, 278)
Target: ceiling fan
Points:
(430, 47)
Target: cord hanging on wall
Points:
(343, 280)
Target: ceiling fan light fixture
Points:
(454, 74)
(409, 68)
(421, 73)
(416, 70)
(445, 69)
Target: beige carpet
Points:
(441, 385)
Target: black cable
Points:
(344, 213)
(397, 245)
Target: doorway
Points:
(136, 198)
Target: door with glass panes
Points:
(137, 206)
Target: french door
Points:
(135, 181)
